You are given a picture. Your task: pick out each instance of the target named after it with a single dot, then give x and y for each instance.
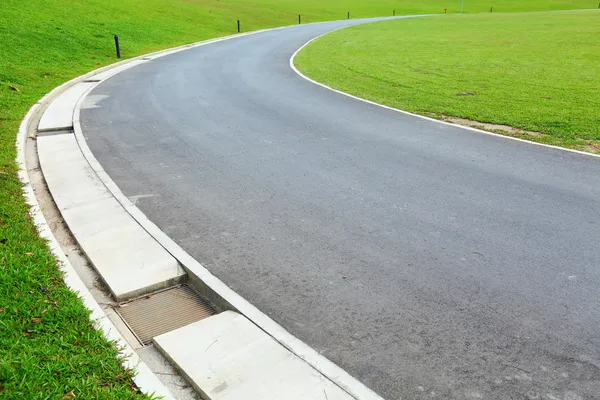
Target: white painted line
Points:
(127, 258)
(468, 128)
(227, 357)
(59, 114)
(144, 379)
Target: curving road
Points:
(428, 260)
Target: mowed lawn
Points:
(534, 71)
(48, 348)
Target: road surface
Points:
(427, 260)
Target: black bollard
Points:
(238, 25)
(298, 19)
(117, 46)
(348, 14)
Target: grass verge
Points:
(536, 72)
(48, 348)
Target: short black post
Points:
(348, 14)
(394, 13)
(299, 19)
(117, 46)
(490, 9)
(238, 26)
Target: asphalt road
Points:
(427, 260)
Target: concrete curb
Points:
(210, 286)
(214, 289)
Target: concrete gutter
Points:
(210, 287)
(144, 378)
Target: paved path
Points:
(427, 260)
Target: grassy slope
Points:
(45, 43)
(534, 71)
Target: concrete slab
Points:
(59, 115)
(64, 171)
(227, 357)
(129, 260)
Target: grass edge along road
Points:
(528, 75)
(48, 347)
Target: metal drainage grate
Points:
(164, 311)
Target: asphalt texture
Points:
(427, 260)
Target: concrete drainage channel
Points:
(160, 297)
(152, 315)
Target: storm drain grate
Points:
(164, 311)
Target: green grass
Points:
(48, 347)
(536, 71)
